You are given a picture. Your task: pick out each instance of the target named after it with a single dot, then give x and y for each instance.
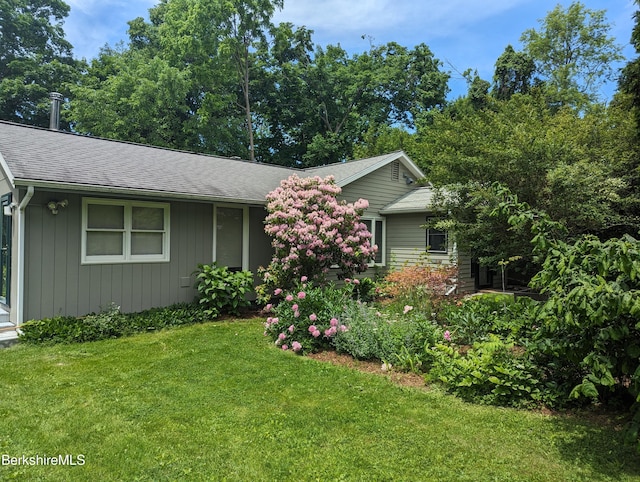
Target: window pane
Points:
(145, 218)
(104, 244)
(229, 237)
(436, 240)
(146, 243)
(379, 238)
(105, 216)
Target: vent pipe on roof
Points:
(54, 120)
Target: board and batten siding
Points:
(56, 283)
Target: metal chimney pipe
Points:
(54, 120)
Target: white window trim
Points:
(245, 232)
(373, 220)
(126, 257)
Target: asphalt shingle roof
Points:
(43, 157)
(418, 200)
(40, 155)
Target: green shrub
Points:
(223, 291)
(306, 318)
(476, 318)
(109, 323)
(398, 340)
(59, 329)
(491, 372)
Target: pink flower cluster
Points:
(312, 231)
(297, 323)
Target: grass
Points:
(217, 402)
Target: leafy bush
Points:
(306, 318)
(491, 372)
(476, 318)
(372, 334)
(223, 291)
(420, 285)
(109, 323)
(593, 311)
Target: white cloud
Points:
(431, 17)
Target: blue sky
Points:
(461, 33)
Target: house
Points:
(89, 221)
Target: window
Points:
(124, 231)
(376, 228)
(231, 237)
(436, 240)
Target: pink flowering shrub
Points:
(311, 231)
(307, 318)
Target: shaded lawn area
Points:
(217, 401)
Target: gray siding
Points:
(378, 188)
(57, 283)
(406, 242)
(260, 250)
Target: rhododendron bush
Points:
(313, 231)
(306, 318)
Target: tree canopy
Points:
(35, 58)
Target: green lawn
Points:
(217, 402)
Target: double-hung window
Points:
(376, 228)
(115, 231)
(437, 241)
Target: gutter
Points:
(21, 249)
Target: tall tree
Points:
(129, 96)
(562, 162)
(334, 98)
(573, 53)
(630, 78)
(243, 24)
(35, 58)
(513, 74)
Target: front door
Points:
(5, 249)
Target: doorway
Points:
(5, 248)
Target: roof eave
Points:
(133, 192)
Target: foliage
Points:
(332, 97)
(109, 323)
(573, 53)
(417, 284)
(593, 311)
(480, 317)
(513, 74)
(306, 318)
(129, 96)
(574, 167)
(491, 372)
(35, 59)
(243, 23)
(223, 291)
(629, 81)
(312, 232)
(396, 340)
(589, 325)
